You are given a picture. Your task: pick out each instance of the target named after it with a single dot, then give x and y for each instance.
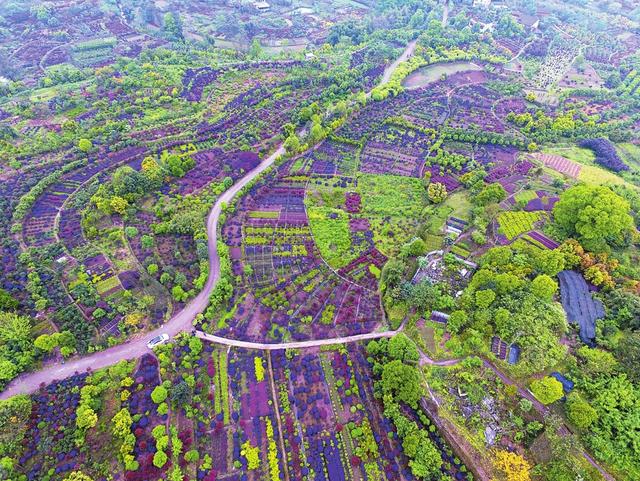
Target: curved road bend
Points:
(183, 320)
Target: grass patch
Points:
(590, 174)
(630, 154)
(393, 205)
(433, 242)
(264, 214)
(459, 204)
(107, 284)
(392, 195)
(330, 228)
(577, 154)
(525, 196)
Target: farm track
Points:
(183, 320)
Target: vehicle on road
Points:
(156, 341)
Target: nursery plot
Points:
(380, 158)
(556, 63)
(323, 408)
(472, 106)
(49, 436)
(512, 224)
(322, 303)
(393, 205)
(331, 158)
(540, 201)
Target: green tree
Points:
(78, 476)
(7, 302)
(118, 205)
(544, 287)
(159, 394)
(173, 26)
(85, 145)
(317, 133)
(14, 415)
(457, 320)
(86, 417)
(427, 461)
(484, 298)
(594, 215)
(46, 342)
(160, 459)
(255, 50)
(595, 362)
(628, 353)
(402, 348)
(121, 423)
(402, 382)
(437, 192)
(492, 193)
(580, 412)
(547, 390)
(292, 144)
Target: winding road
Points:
(28, 383)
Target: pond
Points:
(432, 73)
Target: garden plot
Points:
(556, 63)
(379, 158)
(539, 200)
(580, 305)
(512, 224)
(472, 106)
(253, 116)
(559, 164)
(587, 78)
(433, 73)
(323, 304)
(331, 158)
(324, 409)
(393, 205)
(39, 224)
(286, 261)
(503, 166)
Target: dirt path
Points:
(386, 76)
(276, 401)
(445, 14)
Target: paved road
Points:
(294, 344)
(183, 320)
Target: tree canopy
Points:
(594, 215)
